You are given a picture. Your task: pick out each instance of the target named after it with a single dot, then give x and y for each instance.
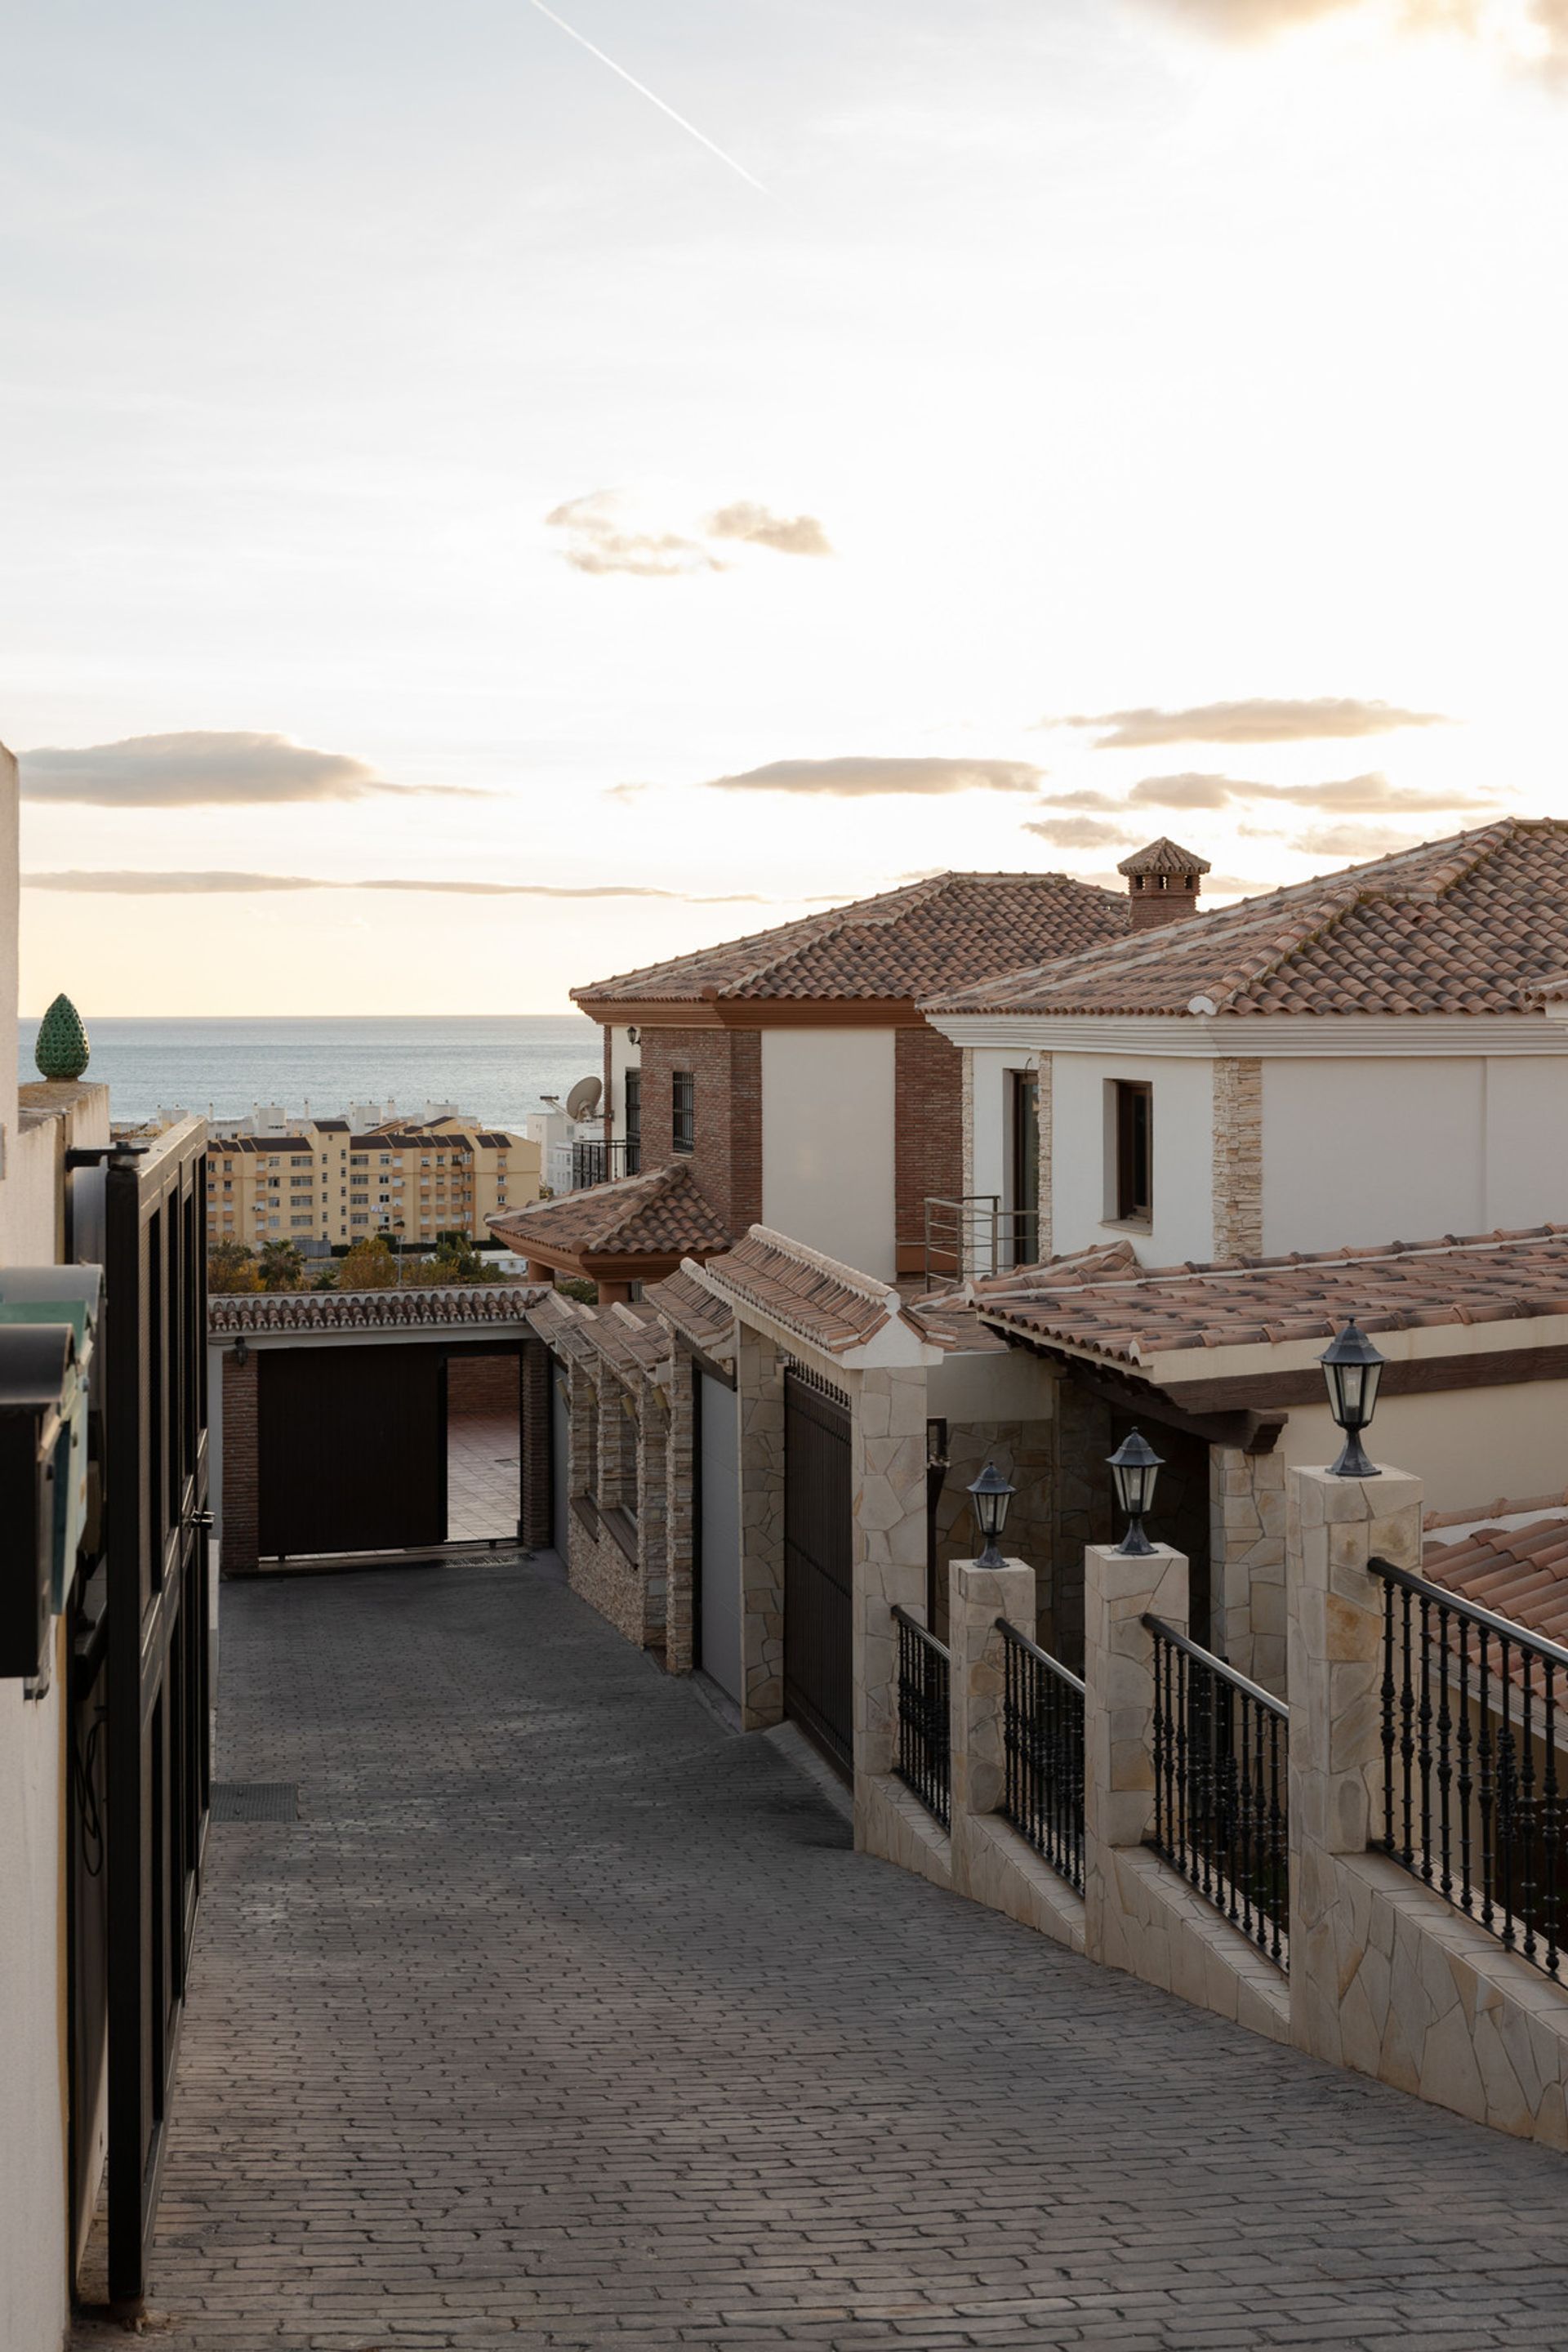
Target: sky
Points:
(474, 522)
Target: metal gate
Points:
(158, 1773)
(351, 1450)
(818, 1572)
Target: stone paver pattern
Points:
(565, 2018)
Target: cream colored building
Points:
(322, 1183)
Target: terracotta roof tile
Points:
(231, 1313)
(825, 1303)
(1134, 1314)
(1164, 856)
(692, 1309)
(1472, 925)
(1517, 1573)
(659, 1214)
(938, 933)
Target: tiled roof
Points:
(1164, 856)
(937, 933)
(954, 1318)
(1131, 1316)
(809, 1293)
(692, 1309)
(631, 1338)
(1518, 1572)
(1475, 924)
(659, 1214)
(231, 1314)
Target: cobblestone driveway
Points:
(562, 2017)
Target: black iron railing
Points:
(1474, 1794)
(601, 1163)
(925, 1739)
(1221, 1766)
(1042, 1731)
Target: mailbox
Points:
(37, 1399)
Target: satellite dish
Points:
(583, 1099)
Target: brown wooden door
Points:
(351, 1450)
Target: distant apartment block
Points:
(323, 1183)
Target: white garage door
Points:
(719, 1522)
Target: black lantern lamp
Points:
(992, 1495)
(1135, 1467)
(1352, 1367)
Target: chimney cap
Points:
(1164, 856)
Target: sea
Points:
(497, 1066)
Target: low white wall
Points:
(1082, 1156)
(33, 2199)
(827, 1142)
(623, 1056)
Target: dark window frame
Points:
(1134, 1130)
(683, 1110)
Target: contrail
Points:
(643, 91)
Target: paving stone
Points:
(562, 2019)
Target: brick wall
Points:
(726, 1065)
(482, 1385)
(928, 1076)
(241, 1482)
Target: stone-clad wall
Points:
(760, 1377)
(1025, 1451)
(887, 1475)
(1246, 1560)
(680, 1514)
(1238, 1157)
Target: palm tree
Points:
(282, 1268)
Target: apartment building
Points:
(324, 1184)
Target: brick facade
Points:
(927, 1162)
(483, 1385)
(241, 1465)
(727, 1067)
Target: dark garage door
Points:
(818, 1550)
(351, 1450)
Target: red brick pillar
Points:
(241, 1464)
(534, 1436)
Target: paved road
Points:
(562, 2017)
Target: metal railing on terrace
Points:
(1221, 1773)
(578, 1167)
(1476, 1797)
(975, 1236)
(1042, 1732)
(925, 1735)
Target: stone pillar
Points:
(652, 1493)
(241, 1464)
(535, 1529)
(679, 1513)
(1247, 1561)
(887, 1472)
(1334, 1620)
(1118, 1725)
(617, 1446)
(977, 1596)
(759, 1377)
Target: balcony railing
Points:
(578, 1167)
(976, 1235)
(1221, 1771)
(1042, 1732)
(924, 1761)
(1476, 1797)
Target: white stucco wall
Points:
(623, 1056)
(1468, 1446)
(1082, 1157)
(827, 1141)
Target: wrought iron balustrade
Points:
(603, 1163)
(1042, 1731)
(1475, 1799)
(925, 1683)
(1221, 1771)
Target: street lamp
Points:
(1135, 1467)
(1352, 1368)
(992, 1495)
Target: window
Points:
(1135, 1115)
(684, 1134)
(634, 1124)
(1025, 1201)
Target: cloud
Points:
(1367, 795)
(789, 535)
(1535, 36)
(857, 779)
(1257, 721)
(1354, 842)
(192, 769)
(138, 882)
(1082, 833)
(623, 791)
(596, 543)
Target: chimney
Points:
(1163, 883)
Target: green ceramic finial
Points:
(62, 1048)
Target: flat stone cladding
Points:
(1238, 1157)
(966, 1120)
(1246, 1560)
(726, 1066)
(1025, 1451)
(928, 1132)
(1082, 1517)
(1045, 1121)
(888, 1480)
(599, 1569)
(680, 1514)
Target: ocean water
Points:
(499, 1067)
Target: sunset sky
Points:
(1027, 427)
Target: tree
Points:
(232, 1267)
(282, 1268)
(369, 1265)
